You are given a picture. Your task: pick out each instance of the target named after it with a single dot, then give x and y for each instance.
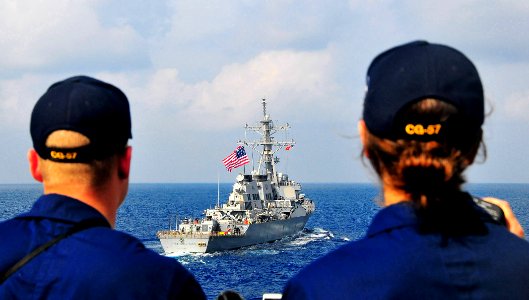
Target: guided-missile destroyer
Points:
(263, 206)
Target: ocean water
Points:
(343, 212)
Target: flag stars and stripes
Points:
(236, 159)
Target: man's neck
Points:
(104, 200)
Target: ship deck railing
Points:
(179, 234)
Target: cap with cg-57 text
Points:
(93, 108)
(406, 74)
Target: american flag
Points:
(236, 159)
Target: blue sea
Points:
(343, 212)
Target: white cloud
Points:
(483, 29)
(493, 30)
(51, 34)
(17, 97)
(516, 107)
(204, 36)
(288, 78)
(165, 87)
(214, 60)
(506, 89)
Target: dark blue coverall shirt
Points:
(97, 263)
(395, 261)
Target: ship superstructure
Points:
(263, 206)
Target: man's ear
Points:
(124, 163)
(34, 167)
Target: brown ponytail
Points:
(430, 172)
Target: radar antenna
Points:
(266, 129)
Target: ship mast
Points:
(267, 129)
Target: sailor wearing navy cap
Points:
(421, 128)
(65, 247)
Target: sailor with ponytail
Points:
(421, 129)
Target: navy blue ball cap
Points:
(406, 74)
(96, 109)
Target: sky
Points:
(195, 73)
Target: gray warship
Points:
(263, 206)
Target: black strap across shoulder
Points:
(76, 228)
(495, 212)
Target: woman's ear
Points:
(362, 131)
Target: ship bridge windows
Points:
(250, 197)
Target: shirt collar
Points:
(60, 207)
(403, 214)
(394, 216)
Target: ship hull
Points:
(257, 233)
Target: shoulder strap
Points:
(495, 212)
(76, 228)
